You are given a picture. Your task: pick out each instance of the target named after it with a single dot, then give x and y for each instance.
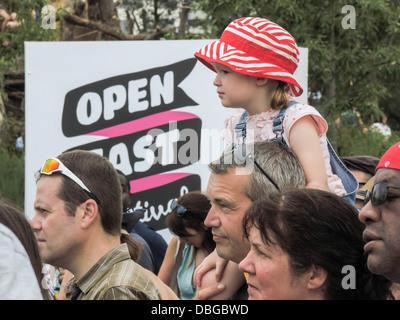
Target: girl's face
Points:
(235, 89)
(195, 239)
(269, 274)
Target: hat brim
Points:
(239, 61)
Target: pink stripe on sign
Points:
(155, 181)
(143, 123)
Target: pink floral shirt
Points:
(259, 128)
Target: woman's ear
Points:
(317, 277)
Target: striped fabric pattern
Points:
(256, 47)
(114, 277)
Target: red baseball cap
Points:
(391, 158)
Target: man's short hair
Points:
(100, 176)
(278, 161)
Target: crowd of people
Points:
(281, 217)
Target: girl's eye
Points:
(221, 70)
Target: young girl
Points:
(254, 61)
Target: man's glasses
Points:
(53, 165)
(180, 210)
(379, 194)
(241, 154)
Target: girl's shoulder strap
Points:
(277, 124)
(240, 127)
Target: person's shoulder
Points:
(10, 242)
(129, 278)
(148, 233)
(302, 108)
(233, 119)
(299, 111)
(130, 293)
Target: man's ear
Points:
(89, 213)
(317, 277)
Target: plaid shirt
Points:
(114, 277)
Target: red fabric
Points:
(256, 47)
(391, 158)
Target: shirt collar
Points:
(102, 267)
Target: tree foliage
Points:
(12, 40)
(12, 62)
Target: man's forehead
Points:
(47, 189)
(49, 181)
(224, 184)
(388, 175)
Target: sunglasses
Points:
(180, 210)
(241, 154)
(53, 165)
(379, 194)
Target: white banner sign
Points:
(148, 106)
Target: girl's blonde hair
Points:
(280, 98)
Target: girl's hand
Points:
(207, 293)
(212, 261)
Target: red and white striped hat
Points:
(256, 47)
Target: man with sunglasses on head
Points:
(77, 223)
(381, 216)
(242, 175)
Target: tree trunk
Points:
(183, 23)
(105, 29)
(108, 15)
(3, 122)
(106, 10)
(73, 32)
(153, 35)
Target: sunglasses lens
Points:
(379, 194)
(367, 197)
(50, 165)
(180, 210)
